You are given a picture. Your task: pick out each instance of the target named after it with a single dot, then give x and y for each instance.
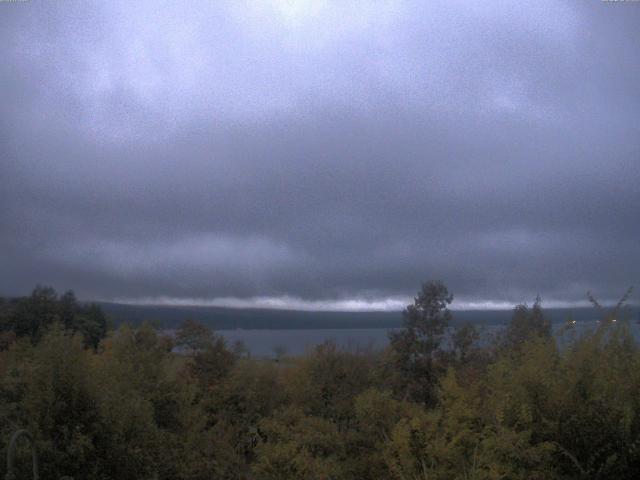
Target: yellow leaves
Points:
(407, 449)
(536, 413)
(377, 412)
(298, 446)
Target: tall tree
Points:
(416, 346)
(527, 323)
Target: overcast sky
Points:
(318, 154)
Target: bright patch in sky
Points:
(294, 12)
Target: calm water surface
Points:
(262, 343)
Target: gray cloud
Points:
(318, 151)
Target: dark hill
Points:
(220, 318)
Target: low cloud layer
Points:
(315, 154)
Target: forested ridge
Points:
(131, 403)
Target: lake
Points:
(261, 343)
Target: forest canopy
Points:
(134, 403)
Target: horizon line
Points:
(391, 304)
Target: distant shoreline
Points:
(221, 318)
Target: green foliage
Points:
(133, 407)
(299, 446)
(114, 414)
(526, 323)
(49, 390)
(31, 317)
(325, 382)
(415, 348)
(209, 366)
(193, 336)
(463, 339)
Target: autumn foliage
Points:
(528, 405)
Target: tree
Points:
(417, 344)
(299, 446)
(211, 363)
(32, 316)
(67, 309)
(91, 322)
(88, 320)
(327, 380)
(50, 390)
(527, 323)
(193, 336)
(612, 315)
(463, 339)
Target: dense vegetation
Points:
(134, 404)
